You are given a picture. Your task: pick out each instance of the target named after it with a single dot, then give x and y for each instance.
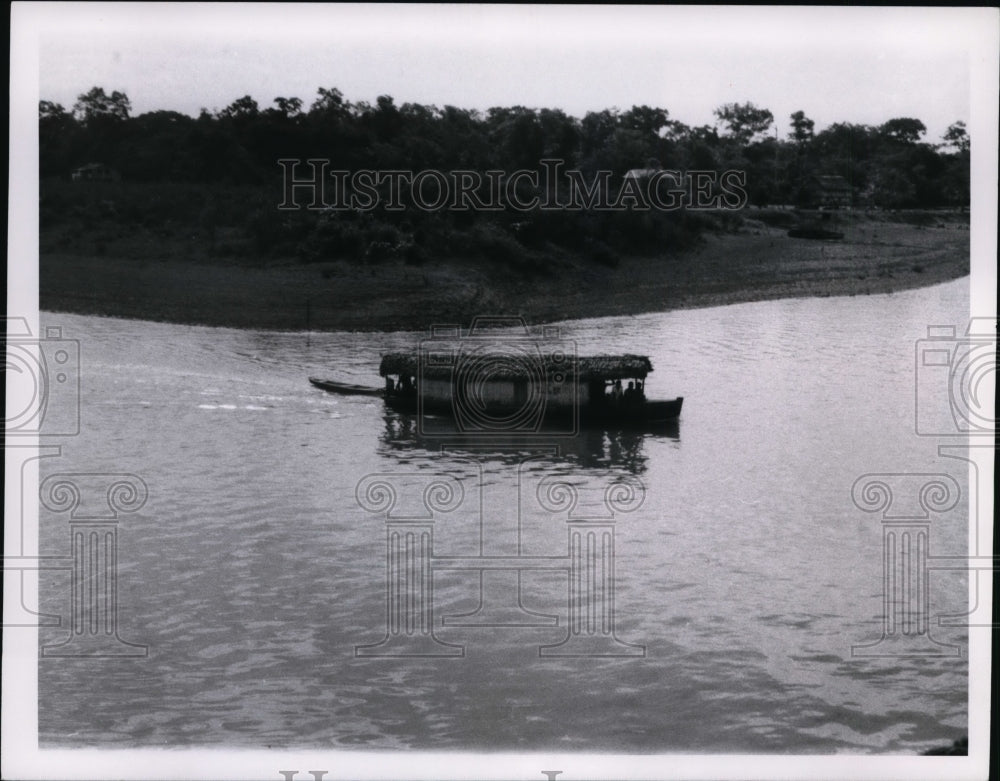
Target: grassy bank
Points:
(163, 278)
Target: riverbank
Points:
(757, 262)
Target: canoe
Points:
(346, 388)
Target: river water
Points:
(743, 571)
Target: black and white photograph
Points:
(514, 392)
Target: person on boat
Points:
(631, 395)
(616, 391)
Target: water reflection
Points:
(600, 448)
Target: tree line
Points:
(891, 166)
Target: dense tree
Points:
(645, 120)
(97, 106)
(595, 130)
(288, 107)
(244, 108)
(58, 136)
(903, 130)
(238, 148)
(329, 100)
(48, 111)
(956, 136)
(744, 121)
(802, 128)
(847, 150)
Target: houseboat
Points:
(520, 391)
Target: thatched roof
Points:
(502, 365)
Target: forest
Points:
(210, 186)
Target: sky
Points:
(837, 65)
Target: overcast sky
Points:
(836, 65)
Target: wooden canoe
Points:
(346, 388)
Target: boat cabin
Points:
(516, 379)
(518, 390)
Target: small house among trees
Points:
(95, 172)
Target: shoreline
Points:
(706, 301)
(756, 264)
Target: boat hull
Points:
(643, 414)
(561, 419)
(346, 388)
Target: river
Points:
(743, 571)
